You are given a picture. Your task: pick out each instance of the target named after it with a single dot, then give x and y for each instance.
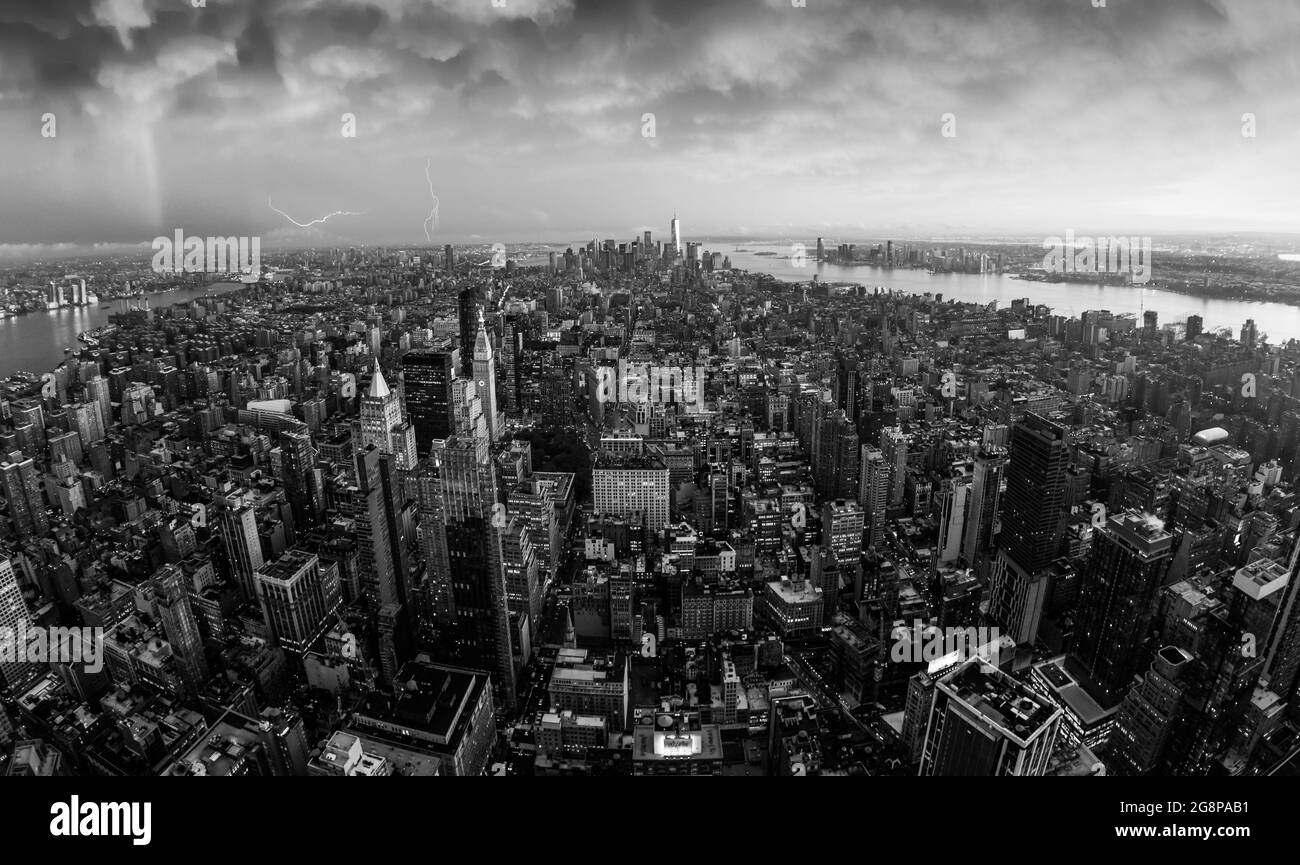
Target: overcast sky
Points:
(770, 120)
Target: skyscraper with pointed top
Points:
(382, 424)
(485, 380)
(677, 234)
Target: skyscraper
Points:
(171, 603)
(533, 504)
(1282, 652)
(846, 385)
(467, 312)
(14, 618)
(238, 526)
(986, 495)
(365, 502)
(21, 485)
(97, 390)
(873, 493)
(893, 443)
(485, 380)
(1150, 714)
(837, 457)
(298, 598)
(467, 559)
(520, 567)
(381, 421)
(1130, 557)
(985, 723)
(297, 459)
(1249, 333)
(677, 236)
(953, 498)
(427, 377)
(1032, 526)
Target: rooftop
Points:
(1000, 699)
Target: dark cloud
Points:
(765, 113)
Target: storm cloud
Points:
(769, 118)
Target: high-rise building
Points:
(1130, 558)
(982, 722)
(171, 605)
(873, 493)
(98, 391)
(370, 501)
(1281, 652)
(238, 527)
(296, 455)
(842, 527)
(1033, 513)
(953, 500)
(20, 483)
(893, 443)
(508, 371)
(519, 564)
(467, 311)
(485, 380)
(381, 421)
(88, 422)
(1249, 333)
(1035, 496)
(467, 559)
(1150, 322)
(676, 231)
(1195, 326)
(14, 619)
(1149, 715)
(299, 598)
(137, 403)
(837, 457)
(985, 497)
(534, 505)
(629, 485)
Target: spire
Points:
(570, 634)
(482, 342)
(378, 387)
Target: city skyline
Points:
(875, 389)
(769, 120)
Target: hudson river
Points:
(35, 341)
(1280, 321)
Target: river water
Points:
(1280, 321)
(35, 341)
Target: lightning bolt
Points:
(324, 218)
(431, 221)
